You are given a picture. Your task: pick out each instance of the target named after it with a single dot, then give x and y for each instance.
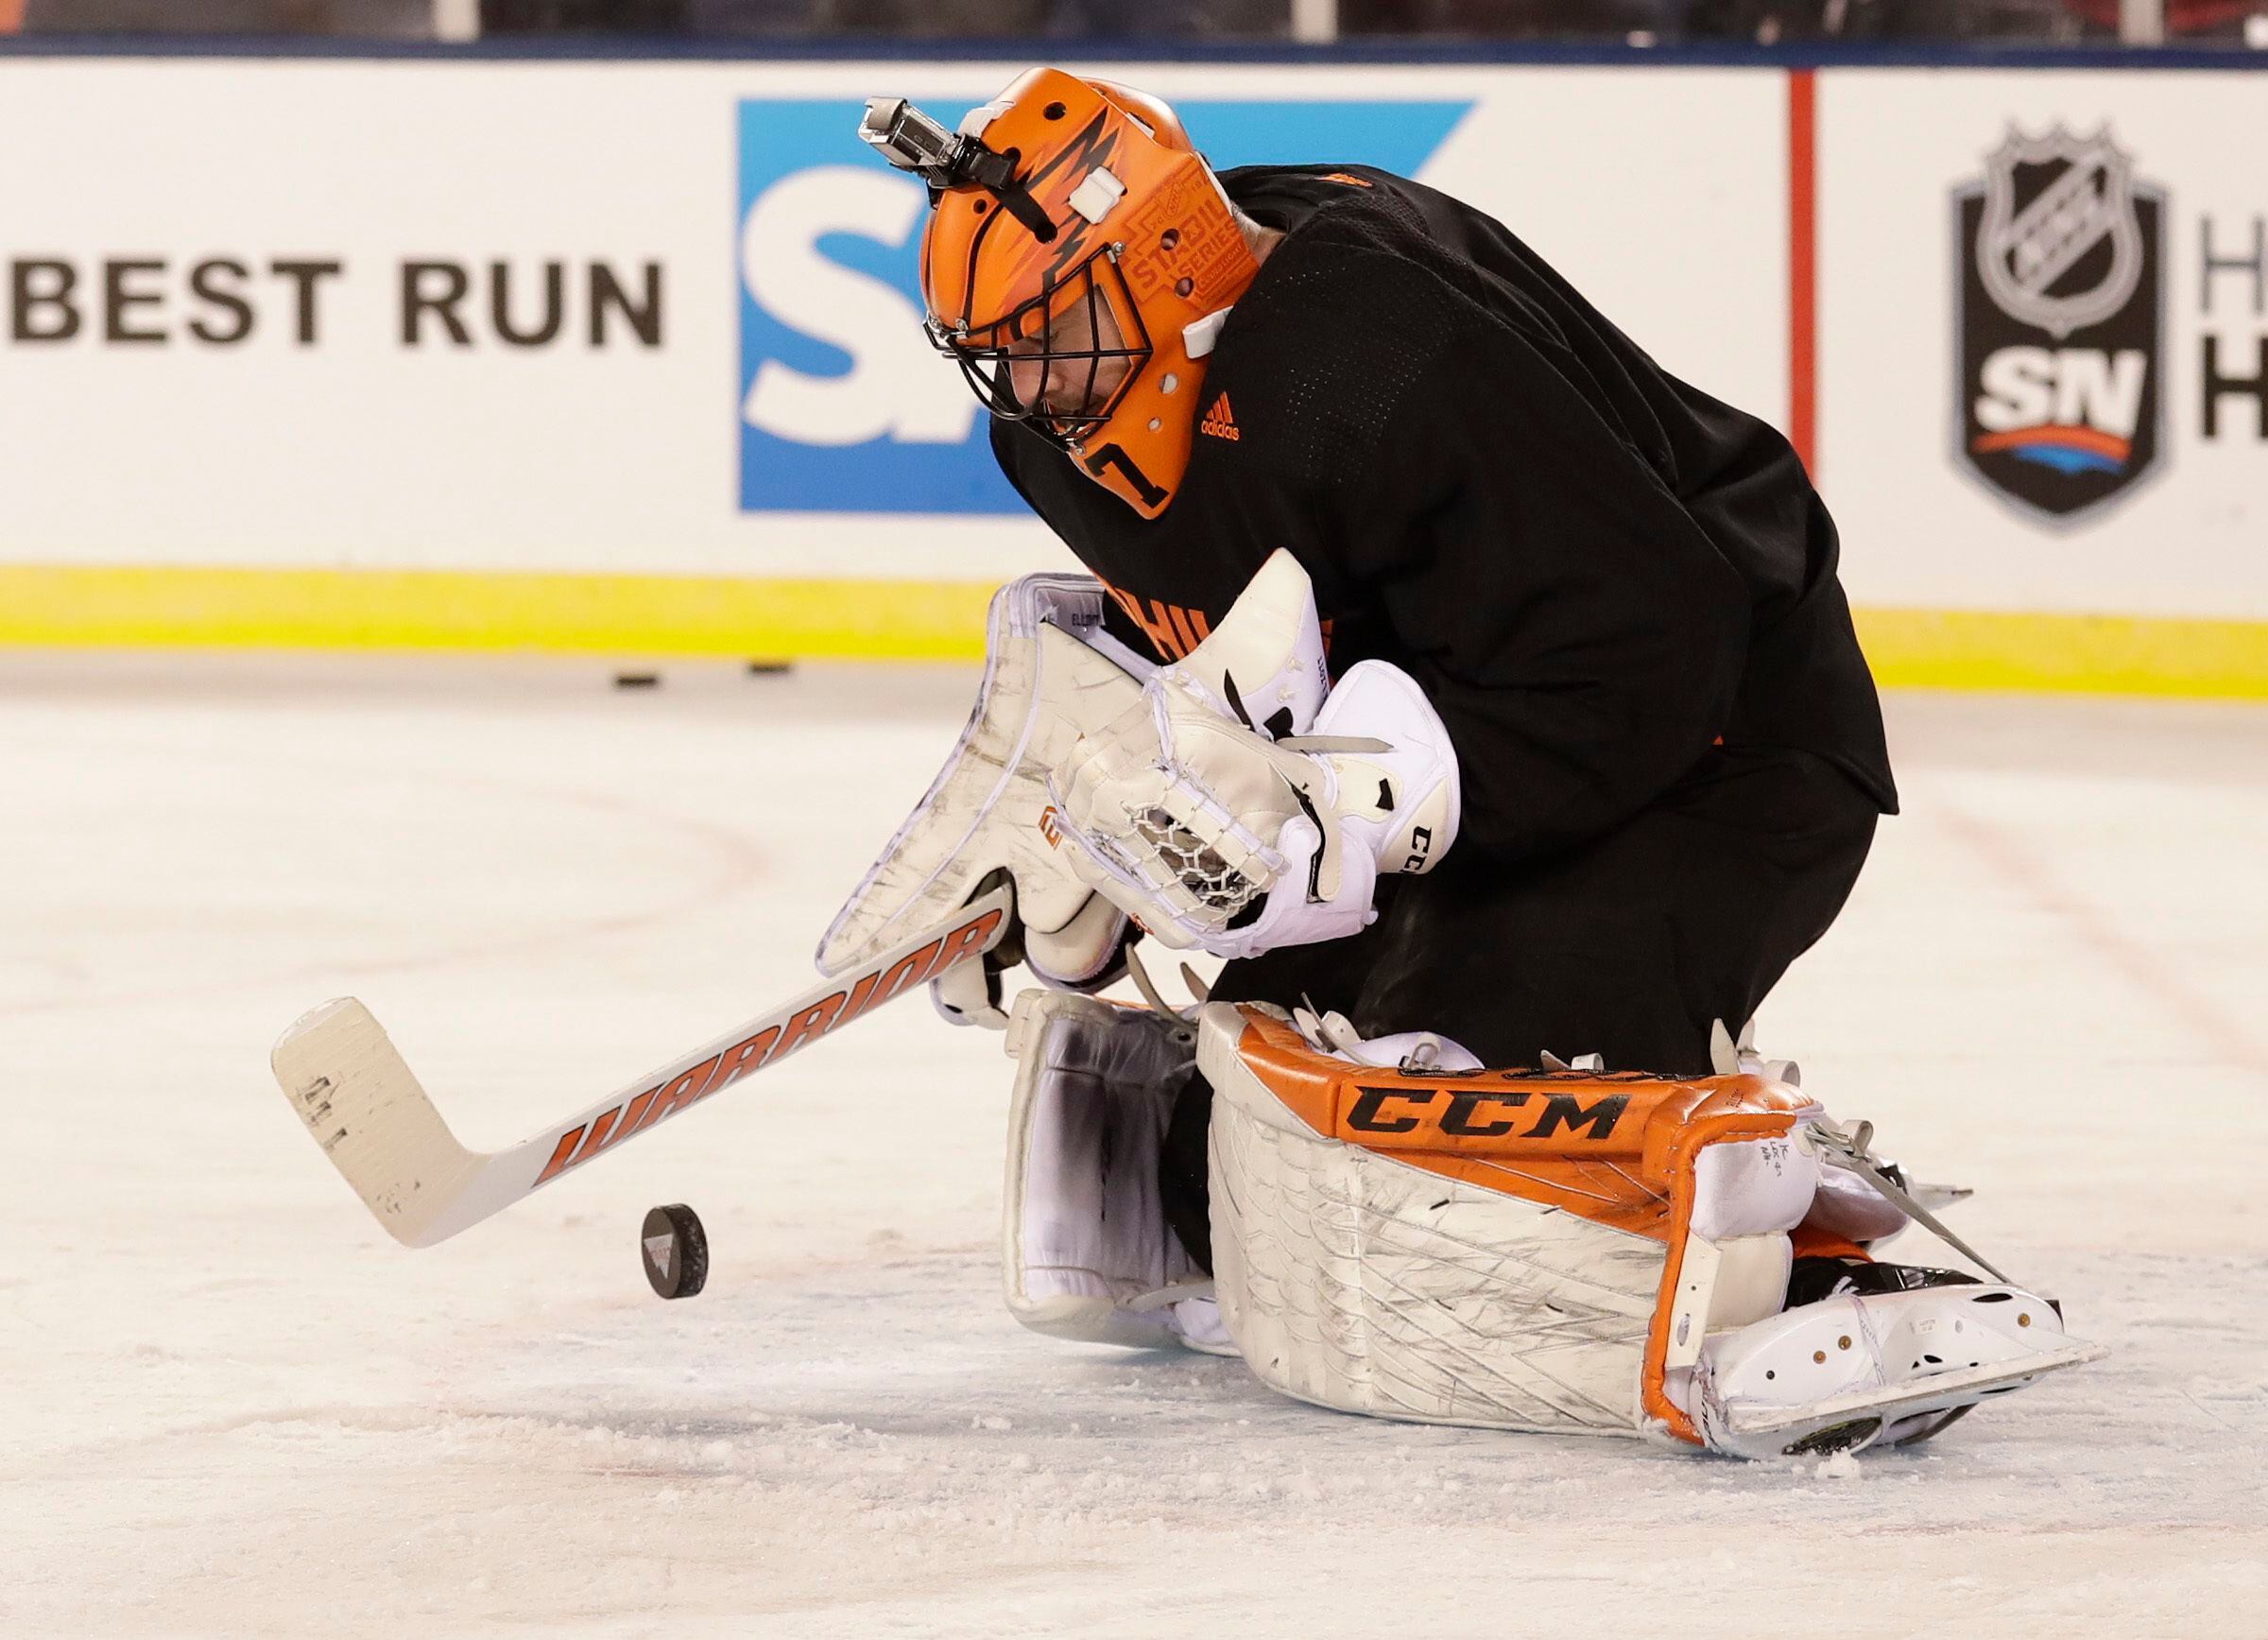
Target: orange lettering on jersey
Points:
(1218, 422)
(1158, 632)
(1172, 631)
(1342, 177)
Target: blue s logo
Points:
(843, 406)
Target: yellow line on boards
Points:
(641, 614)
(2093, 654)
(657, 614)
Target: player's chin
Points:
(1074, 423)
(1085, 413)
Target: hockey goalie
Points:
(1381, 1224)
(1483, 695)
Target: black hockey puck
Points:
(761, 668)
(676, 1249)
(637, 679)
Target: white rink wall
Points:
(2186, 537)
(283, 361)
(386, 441)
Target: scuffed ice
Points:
(237, 1408)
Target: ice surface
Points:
(236, 1407)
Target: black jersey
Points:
(1595, 571)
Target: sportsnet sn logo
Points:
(2060, 391)
(843, 406)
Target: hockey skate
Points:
(1862, 1368)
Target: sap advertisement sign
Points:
(843, 406)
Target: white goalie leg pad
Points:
(1361, 1283)
(1086, 1251)
(1334, 1033)
(1567, 1251)
(1845, 1207)
(1358, 1282)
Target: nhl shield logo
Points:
(2060, 264)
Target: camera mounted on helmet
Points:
(1078, 259)
(911, 141)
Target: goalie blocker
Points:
(1567, 1251)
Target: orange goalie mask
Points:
(1076, 243)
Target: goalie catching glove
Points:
(1241, 803)
(1102, 786)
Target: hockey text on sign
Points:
(228, 300)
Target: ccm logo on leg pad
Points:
(1440, 1118)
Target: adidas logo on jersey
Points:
(1218, 422)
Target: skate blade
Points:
(1847, 1422)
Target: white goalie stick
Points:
(380, 1130)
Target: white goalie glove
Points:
(1238, 806)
